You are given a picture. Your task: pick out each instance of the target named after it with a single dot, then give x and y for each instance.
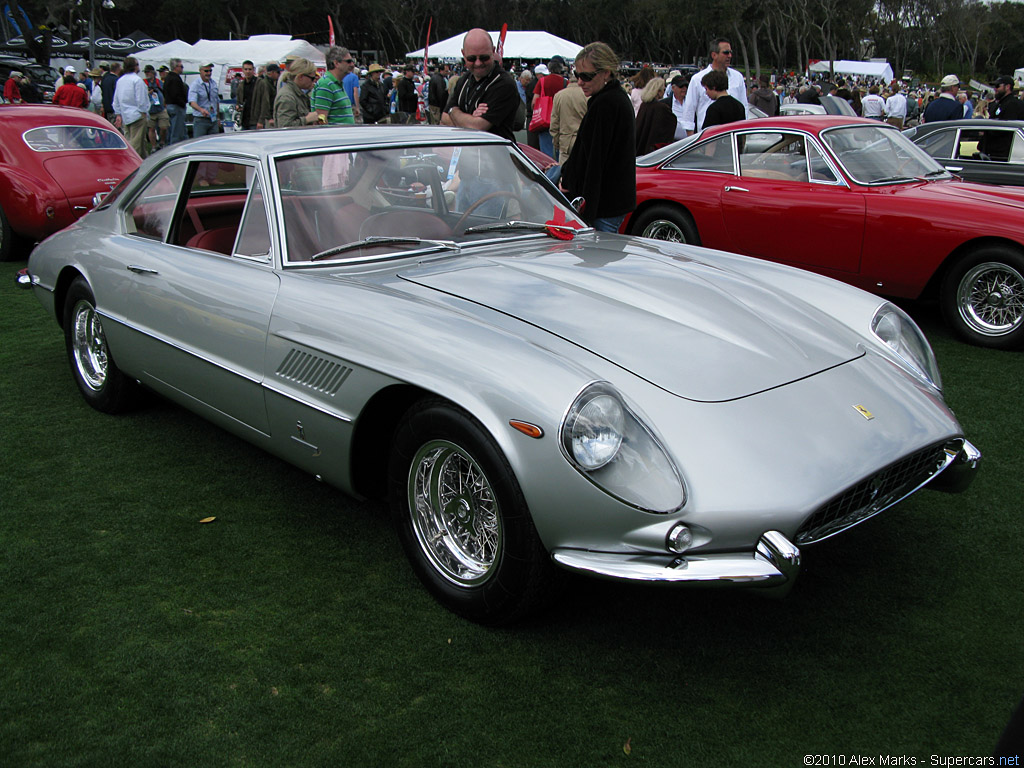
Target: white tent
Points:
(863, 68)
(518, 45)
(229, 53)
(1018, 75)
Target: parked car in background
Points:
(830, 105)
(986, 151)
(852, 199)
(417, 313)
(43, 77)
(53, 161)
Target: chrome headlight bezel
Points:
(900, 336)
(639, 471)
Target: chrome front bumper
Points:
(774, 563)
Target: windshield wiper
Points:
(937, 172)
(533, 226)
(376, 240)
(895, 178)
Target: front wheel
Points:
(462, 518)
(664, 222)
(100, 381)
(983, 298)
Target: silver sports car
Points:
(416, 312)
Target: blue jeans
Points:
(609, 223)
(547, 145)
(201, 126)
(176, 132)
(472, 189)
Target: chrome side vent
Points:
(313, 372)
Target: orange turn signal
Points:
(530, 430)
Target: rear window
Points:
(60, 138)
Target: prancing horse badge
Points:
(864, 412)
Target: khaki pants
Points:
(435, 115)
(136, 134)
(897, 121)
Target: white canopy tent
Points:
(1018, 75)
(224, 54)
(518, 45)
(862, 68)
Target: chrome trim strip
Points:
(775, 562)
(308, 403)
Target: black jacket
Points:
(602, 166)
(373, 100)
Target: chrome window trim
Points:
(76, 149)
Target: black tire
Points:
(665, 222)
(475, 547)
(982, 298)
(100, 381)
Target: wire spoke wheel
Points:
(455, 513)
(663, 229)
(89, 346)
(990, 298)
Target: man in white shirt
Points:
(677, 99)
(131, 106)
(873, 105)
(697, 101)
(896, 107)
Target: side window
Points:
(254, 236)
(149, 215)
(938, 144)
(820, 170)
(781, 156)
(1017, 150)
(995, 143)
(212, 213)
(709, 156)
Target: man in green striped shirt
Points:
(329, 98)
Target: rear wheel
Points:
(100, 381)
(663, 222)
(983, 298)
(462, 518)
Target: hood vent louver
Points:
(313, 372)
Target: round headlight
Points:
(596, 432)
(898, 332)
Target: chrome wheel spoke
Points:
(991, 298)
(89, 346)
(454, 513)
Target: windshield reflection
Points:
(876, 155)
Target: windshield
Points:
(374, 203)
(877, 155)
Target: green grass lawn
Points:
(291, 632)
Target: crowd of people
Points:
(591, 123)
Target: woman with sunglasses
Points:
(602, 166)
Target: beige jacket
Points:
(567, 110)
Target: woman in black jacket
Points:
(602, 166)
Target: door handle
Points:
(736, 189)
(954, 168)
(141, 270)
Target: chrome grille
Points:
(878, 492)
(314, 372)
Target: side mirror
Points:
(578, 204)
(98, 198)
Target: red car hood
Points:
(691, 328)
(969, 193)
(82, 174)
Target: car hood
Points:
(970, 193)
(689, 327)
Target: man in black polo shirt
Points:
(486, 97)
(1006, 106)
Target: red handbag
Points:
(541, 118)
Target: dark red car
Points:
(53, 160)
(849, 198)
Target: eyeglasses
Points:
(725, 53)
(349, 61)
(586, 77)
(483, 58)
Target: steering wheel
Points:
(489, 196)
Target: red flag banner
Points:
(426, 48)
(330, 26)
(501, 41)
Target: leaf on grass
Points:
(207, 519)
(626, 747)
(273, 691)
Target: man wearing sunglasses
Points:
(329, 99)
(485, 98)
(697, 101)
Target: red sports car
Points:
(849, 198)
(53, 160)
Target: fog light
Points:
(679, 538)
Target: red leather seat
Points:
(219, 240)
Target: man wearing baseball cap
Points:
(1007, 106)
(946, 106)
